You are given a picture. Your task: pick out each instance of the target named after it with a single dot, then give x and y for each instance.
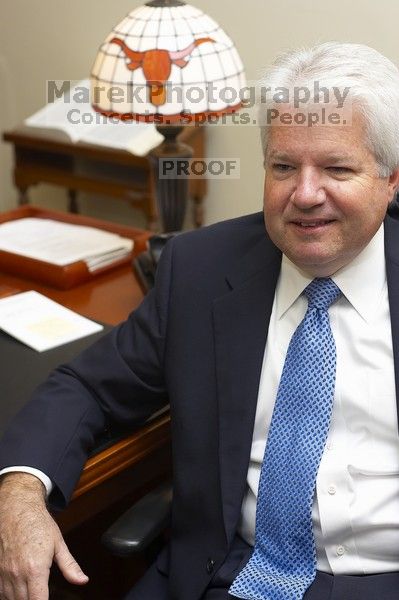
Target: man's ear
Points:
(393, 182)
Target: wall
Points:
(52, 39)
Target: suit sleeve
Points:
(118, 379)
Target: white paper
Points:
(41, 323)
(137, 138)
(61, 243)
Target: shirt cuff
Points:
(46, 481)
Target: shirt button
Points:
(329, 446)
(340, 550)
(332, 489)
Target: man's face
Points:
(323, 198)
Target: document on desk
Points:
(41, 323)
(62, 244)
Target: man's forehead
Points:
(335, 143)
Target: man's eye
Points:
(281, 167)
(340, 170)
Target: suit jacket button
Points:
(210, 565)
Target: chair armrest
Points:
(141, 524)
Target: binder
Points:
(68, 276)
(34, 366)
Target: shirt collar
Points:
(361, 281)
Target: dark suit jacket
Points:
(197, 339)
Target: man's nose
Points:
(309, 190)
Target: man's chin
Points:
(315, 264)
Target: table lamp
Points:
(170, 64)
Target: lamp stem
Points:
(170, 163)
(158, 3)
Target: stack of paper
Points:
(62, 244)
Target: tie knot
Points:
(321, 293)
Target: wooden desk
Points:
(135, 462)
(48, 156)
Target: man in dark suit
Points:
(212, 338)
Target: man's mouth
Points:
(313, 224)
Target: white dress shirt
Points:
(46, 481)
(356, 504)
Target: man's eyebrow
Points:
(278, 155)
(338, 157)
(333, 157)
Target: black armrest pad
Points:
(141, 524)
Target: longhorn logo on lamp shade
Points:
(157, 65)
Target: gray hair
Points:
(372, 80)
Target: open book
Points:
(81, 123)
(62, 244)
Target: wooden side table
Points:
(49, 156)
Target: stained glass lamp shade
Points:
(167, 62)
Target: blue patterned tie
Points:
(283, 563)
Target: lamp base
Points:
(170, 163)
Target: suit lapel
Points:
(241, 320)
(392, 267)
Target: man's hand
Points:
(30, 541)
